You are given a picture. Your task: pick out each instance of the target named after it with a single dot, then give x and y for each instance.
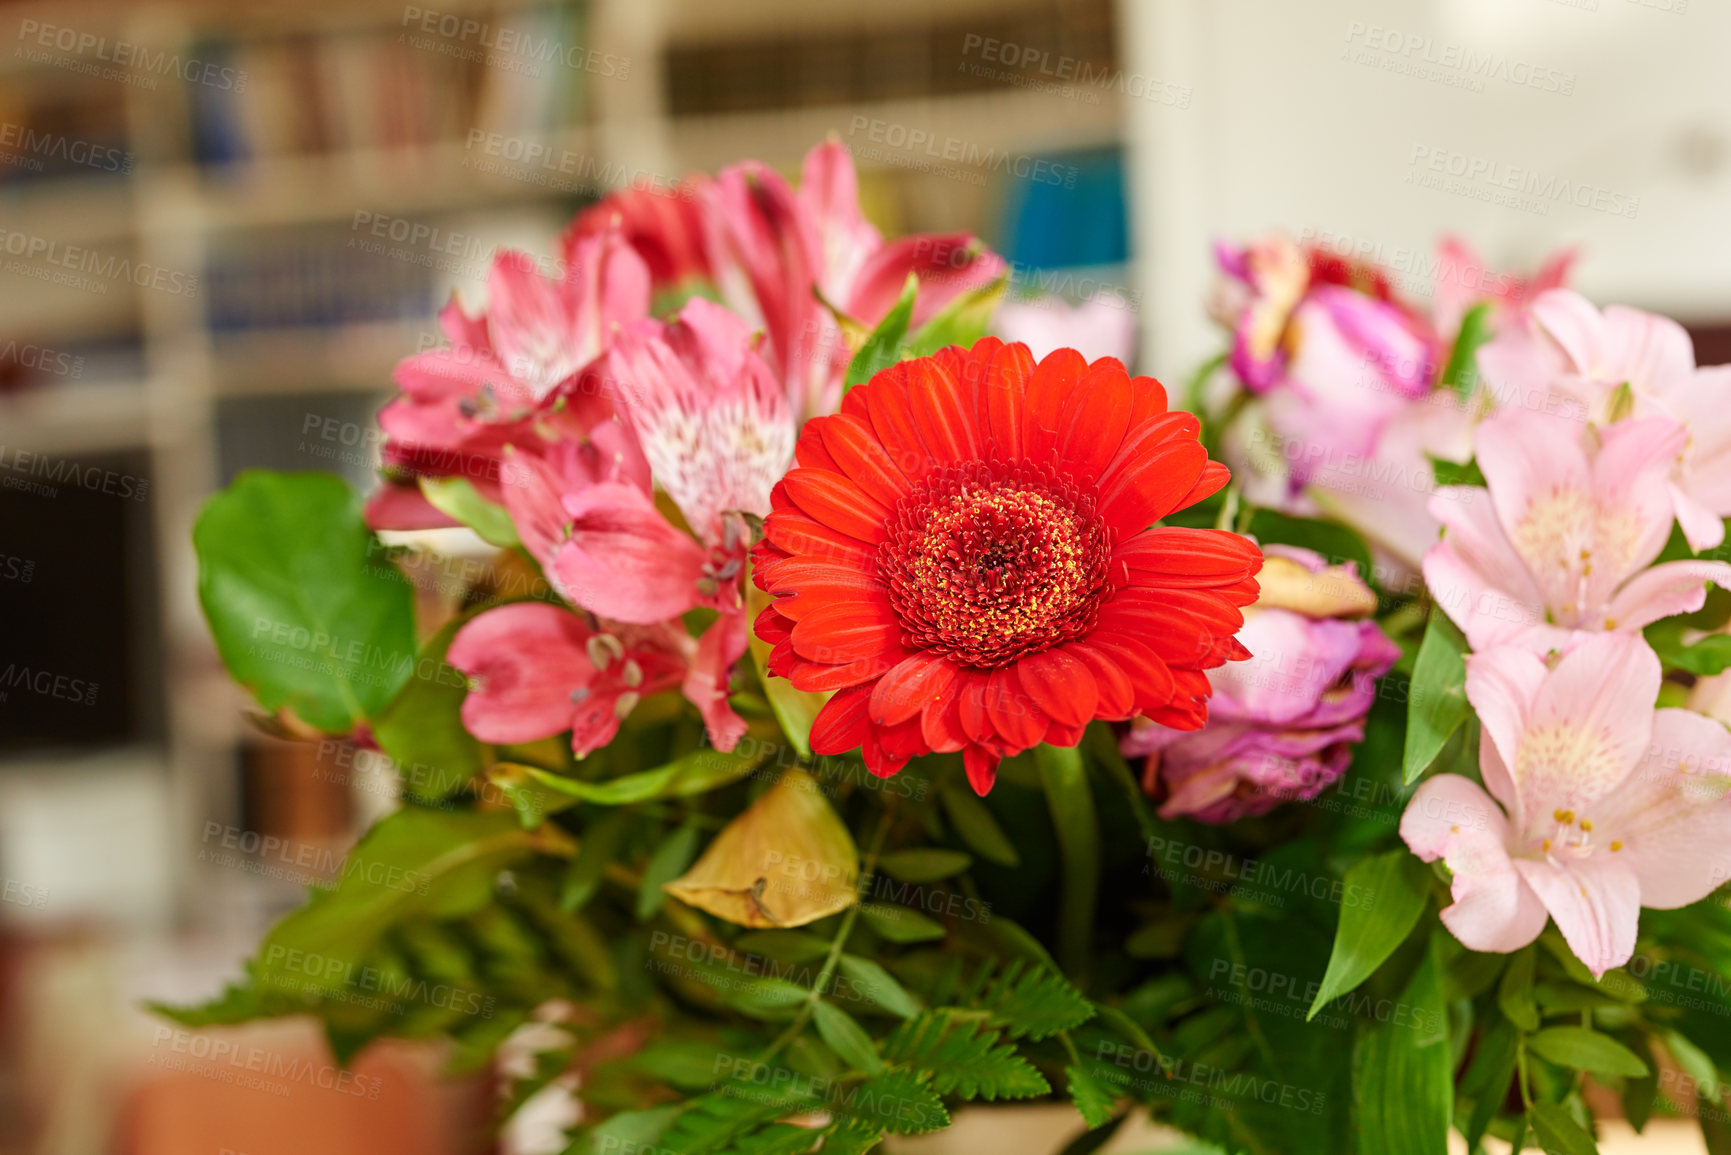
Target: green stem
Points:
(1072, 805)
(837, 946)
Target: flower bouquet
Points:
(856, 717)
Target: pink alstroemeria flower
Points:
(510, 374)
(1463, 280)
(664, 226)
(1563, 537)
(1602, 805)
(1587, 358)
(774, 251)
(536, 670)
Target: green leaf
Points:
(412, 862)
(794, 946)
(422, 728)
(1557, 1131)
(1033, 1002)
(964, 1058)
(1515, 990)
(307, 611)
(974, 822)
(666, 864)
(846, 1037)
(1092, 1099)
(962, 322)
(1402, 1075)
(1711, 655)
(924, 865)
(874, 984)
(1695, 1062)
(1437, 700)
(1640, 1094)
(632, 1130)
(1486, 1082)
(456, 497)
(898, 1101)
(696, 772)
(1460, 374)
(1071, 803)
(884, 347)
(1393, 888)
(766, 997)
(899, 924)
(601, 844)
(1586, 1050)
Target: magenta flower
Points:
(1281, 725)
(536, 670)
(510, 376)
(1564, 537)
(782, 259)
(1602, 805)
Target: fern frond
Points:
(964, 1058)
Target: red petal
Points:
(805, 537)
(904, 691)
(886, 398)
(971, 704)
(817, 677)
(1049, 392)
(1213, 480)
(945, 427)
(1144, 483)
(1152, 679)
(902, 741)
(1097, 417)
(772, 626)
(1001, 399)
(847, 631)
(815, 585)
(1150, 399)
(1116, 693)
(982, 767)
(1060, 685)
(879, 760)
(1176, 557)
(1011, 711)
(941, 723)
(838, 503)
(853, 444)
(811, 452)
(843, 723)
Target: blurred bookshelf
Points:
(222, 259)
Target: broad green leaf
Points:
(1557, 1131)
(307, 610)
(1402, 1073)
(457, 497)
(884, 347)
(666, 864)
(1335, 542)
(768, 994)
(1437, 701)
(1392, 889)
(1460, 373)
(1711, 655)
(411, 863)
(1515, 990)
(924, 865)
(422, 729)
(1639, 1094)
(1486, 1082)
(632, 1130)
(872, 983)
(963, 321)
(899, 924)
(695, 772)
(794, 946)
(1586, 1050)
(973, 820)
(846, 1037)
(1070, 801)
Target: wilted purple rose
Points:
(1282, 725)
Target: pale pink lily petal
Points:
(623, 560)
(1672, 816)
(1588, 724)
(1451, 818)
(1630, 480)
(1675, 587)
(1596, 903)
(1502, 685)
(829, 191)
(1702, 525)
(947, 264)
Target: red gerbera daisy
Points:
(964, 554)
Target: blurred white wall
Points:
(1318, 116)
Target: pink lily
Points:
(1606, 805)
(773, 251)
(1463, 280)
(536, 670)
(511, 374)
(1563, 537)
(664, 227)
